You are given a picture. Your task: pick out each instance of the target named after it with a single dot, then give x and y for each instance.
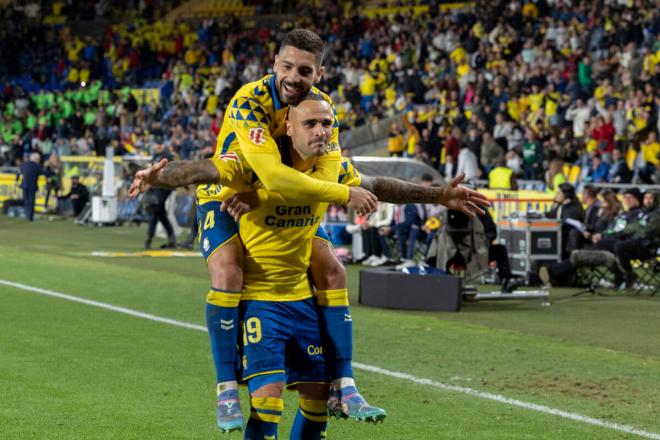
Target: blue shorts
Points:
(218, 227)
(282, 337)
(215, 227)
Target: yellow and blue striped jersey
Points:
(253, 121)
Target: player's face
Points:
(310, 127)
(296, 71)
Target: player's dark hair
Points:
(305, 40)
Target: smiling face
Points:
(310, 127)
(296, 71)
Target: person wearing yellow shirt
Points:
(367, 90)
(651, 149)
(535, 99)
(395, 143)
(502, 177)
(276, 234)
(554, 176)
(254, 120)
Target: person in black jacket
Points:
(497, 252)
(576, 239)
(79, 195)
(566, 206)
(611, 228)
(644, 240)
(31, 170)
(155, 200)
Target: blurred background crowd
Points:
(544, 88)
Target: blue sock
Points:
(337, 331)
(222, 324)
(311, 420)
(265, 414)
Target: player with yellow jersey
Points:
(254, 120)
(278, 311)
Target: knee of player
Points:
(314, 391)
(272, 389)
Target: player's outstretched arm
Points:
(174, 174)
(453, 196)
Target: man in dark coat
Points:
(31, 170)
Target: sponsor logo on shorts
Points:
(313, 350)
(206, 245)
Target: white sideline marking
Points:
(396, 374)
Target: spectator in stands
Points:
(79, 196)
(532, 156)
(579, 114)
(453, 146)
(609, 216)
(599, 170)
(395, 144)
(566, 206)
(576, 236)
(429, 149)
(623, 225)
(31, 170)
(514, 162)
(467, 163)
(619, 171)
(502, 131)
(554, 177)
(644, 238)
(375, 231)
(408, 220)
(491, 153)
(650, 150)
(502, 177)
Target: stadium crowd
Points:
(508, 82)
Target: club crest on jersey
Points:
(256, 135)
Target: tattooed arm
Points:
(174, 174)
(391, 190)
(453, 196)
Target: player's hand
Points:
(145, 178)
(361, 200)
(459, 198)
(240, 203)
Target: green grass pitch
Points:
(74, 371)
